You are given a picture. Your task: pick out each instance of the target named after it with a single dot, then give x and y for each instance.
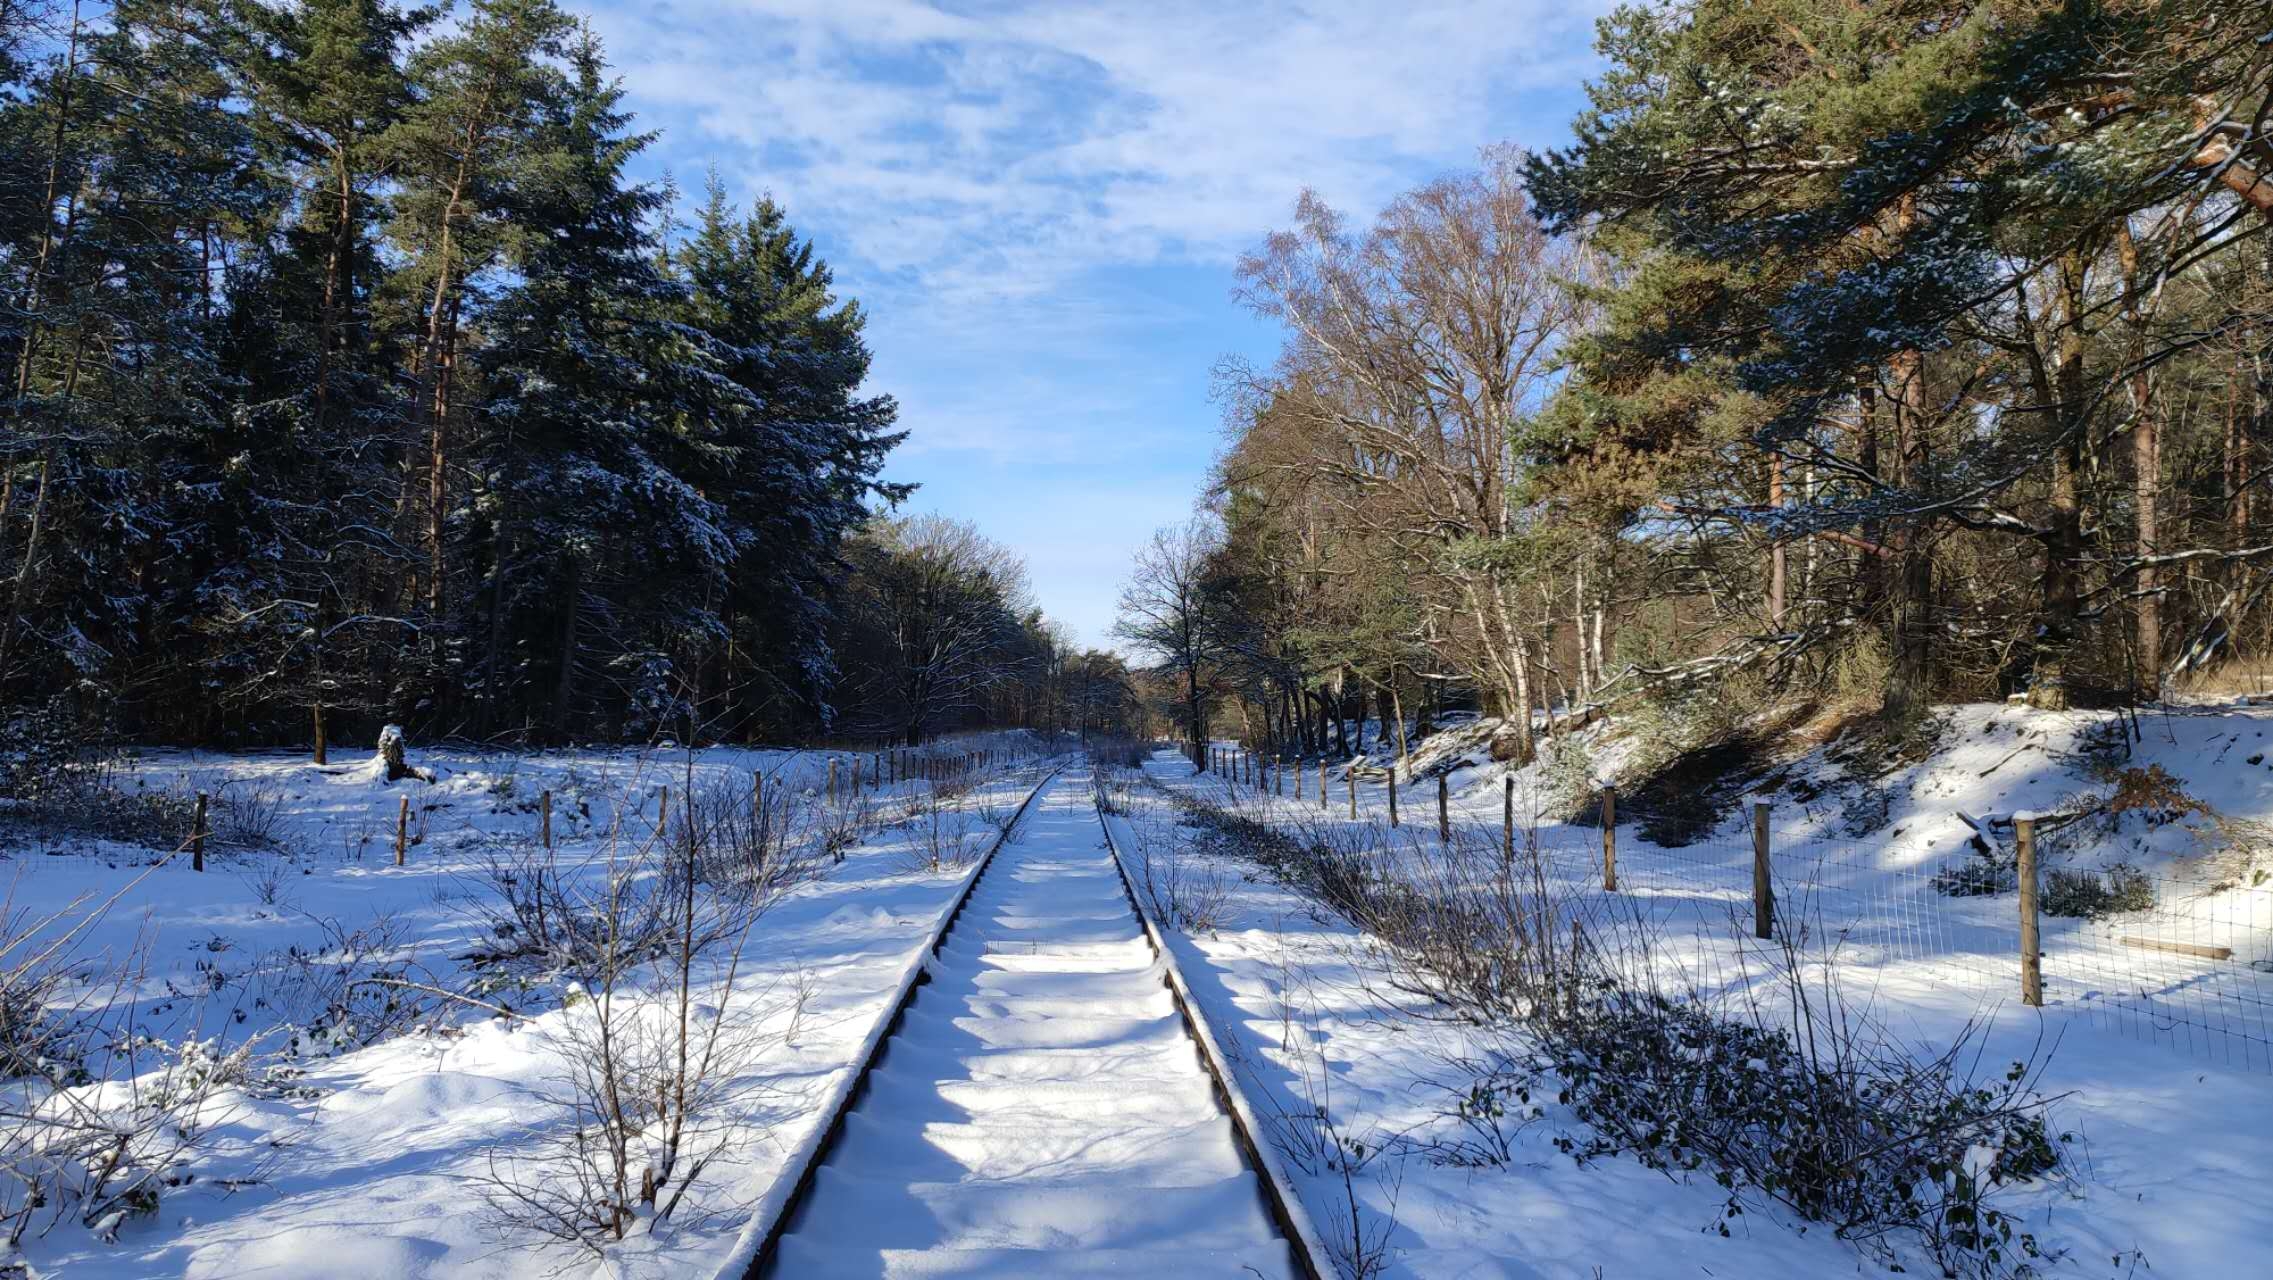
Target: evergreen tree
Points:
(463, 140)
(800, 470)
(590, 395)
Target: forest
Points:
(1865, 357)
(356, 380)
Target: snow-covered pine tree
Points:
(799, 470)
(459, 151)
(595, 401)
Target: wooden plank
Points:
(2195, 949)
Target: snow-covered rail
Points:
(1286, 1206)
(1038, 1107)
(755, 1249)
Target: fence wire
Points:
(2171, 959)
(2184, 961)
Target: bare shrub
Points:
(1117, 753)
(656, 1045)
(359, 986)
(1181, 892)
(268, 879)
(246, 814)
(87, 799)
(757, 842)
(945, 837)
(573, 916)
(96, 1118)
(1787, 1092)
(1310, 1136)
(841, 825)
(997, 812)
(1113, 788)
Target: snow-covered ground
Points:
(334, 1160)
(2170, 1127)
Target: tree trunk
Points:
(2146, 477)
(2063, 537)
(446, 354)
(567, 683)
(1393, 712)
(1911, 597)
(1777, 573)
(22, 585)
(316, 703)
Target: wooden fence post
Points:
(1298, 779)
(2031, 948)
(662, 810)
(1393, 795)
(197, 836)
(1352, 776)
(832, 779)
(402, 829)
(544, 818)
(1444, 808)
(1321, 784)
(1609, 839)
(1763, 896)
(1507, 819)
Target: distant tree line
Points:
(353, 379)
(1915, 351)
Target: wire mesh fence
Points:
(2175, 957)
(2180, 960)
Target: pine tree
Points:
(801, 468)
(456, 151)
(1891, 217)
(591, 394)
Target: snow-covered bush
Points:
(2094, 895)
(1978, 876)
(656, 1041)
(1568, 775)
(57, 779)
(1840, 1126)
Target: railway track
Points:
(1044, 1102)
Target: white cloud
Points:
(996, 149)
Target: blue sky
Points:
(1039, 203)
